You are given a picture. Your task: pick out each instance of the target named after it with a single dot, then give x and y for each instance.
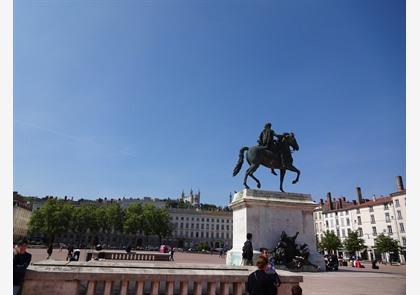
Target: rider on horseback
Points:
(266, 140)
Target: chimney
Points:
(354, 202)
(321, 201)
(359, 195)
(344, 199)
(400, 184)
(330, 204)
(340, 202)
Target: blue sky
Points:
(135, 98)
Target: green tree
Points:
(110, 219)
(159, 223)
(354, 243)
(134, 220)
(329, 241)
(386, 244)
(52, 219)
(84, 220)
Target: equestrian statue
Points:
(271, 153)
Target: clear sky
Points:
(134, 98)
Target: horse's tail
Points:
(240, 161)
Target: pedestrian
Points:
(49, 250)
(69, 253)
(172, 253)
(270, 270)
(21, 261)
(247, 251)
(296, 290)
(259, 282)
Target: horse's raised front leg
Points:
(282, 173)
(294, 169)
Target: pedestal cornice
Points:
(249, 197)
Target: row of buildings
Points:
(195, 224)
(369, 217)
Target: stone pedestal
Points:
(266, 214)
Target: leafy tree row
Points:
(59, 216)
(353, 243)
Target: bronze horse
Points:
(259, 155)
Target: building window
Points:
(343, 233)
(176, 218)
(207, 234)
(348, 221)
(404, 241)
(348, 231)
(202, 219)
(387, 219)
(389, 230)
(374, 232)
(399, 214)
(386, 206)
(372, 219)
(188, 218)
(217, 235)
(202, 234)
(370, 208)
(347, 212)
(207, 220)
(357, 211)
(207, 226)
(223, 235)
(326, 223)
(342, 222)
(397, 203)
(192, 218)
(187, 225)
(217, 220)
(182, 225)
(359, 220)
(338, 232)
(227, 227)
(196, 234)
(360, 230)
(402, 229)
(223, 226)
(192, 225)
(202, 226)
(316, 227)
(192, 235)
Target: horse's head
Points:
(291, 140)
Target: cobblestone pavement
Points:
(388, 280)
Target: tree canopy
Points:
(385, 244)
(354, 243)
(329, 241)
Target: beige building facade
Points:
(369, 217)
